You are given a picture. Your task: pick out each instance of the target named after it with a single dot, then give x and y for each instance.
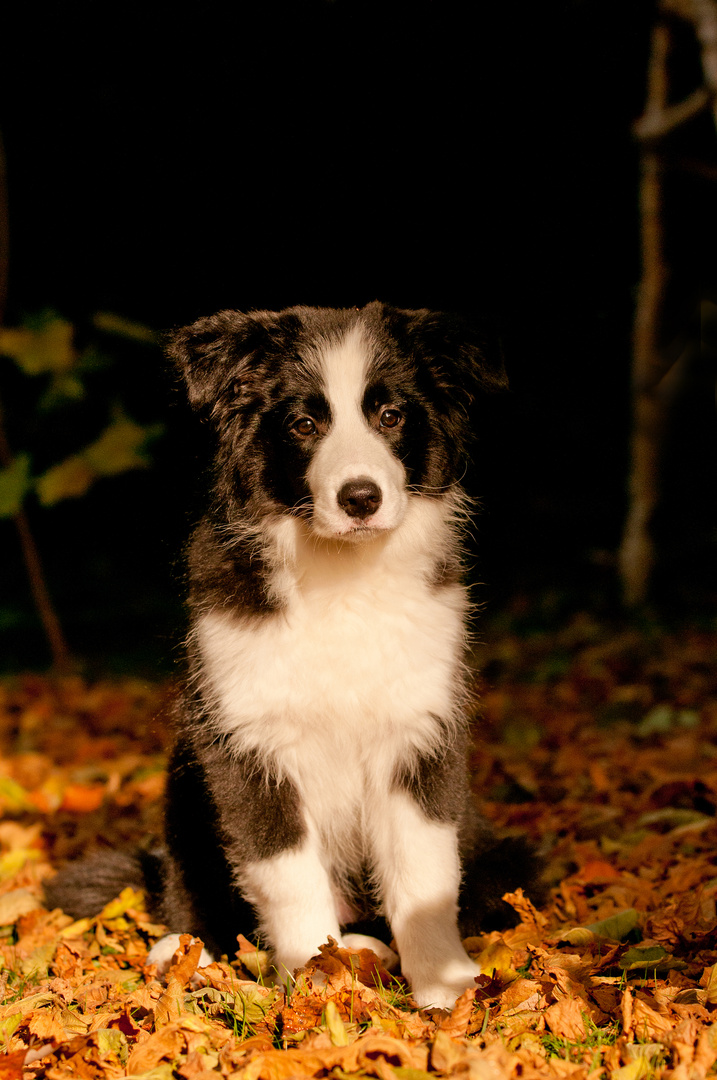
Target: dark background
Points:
(165, 164)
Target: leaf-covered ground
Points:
(598, 741)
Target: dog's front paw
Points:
(387, 956)
(441, 989)
(163, 950)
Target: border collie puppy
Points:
(319, 771)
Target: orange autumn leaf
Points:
(11, 1065)
(597, 871)
(82, 798)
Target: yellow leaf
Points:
(709, 982)
(496, 957)
(76, 929)
(46, 347)
(337, 1031)
(13, 861)
(577, 935)
(126, 328)
(8, 1026)
(127, 899)
(12, 795)
(635, 1070)
(68, 480)
(120, 447)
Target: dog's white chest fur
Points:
(363, 652)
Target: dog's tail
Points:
(83, 888)
(498, 866)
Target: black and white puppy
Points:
(319, 770)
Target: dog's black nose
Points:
(359, 498)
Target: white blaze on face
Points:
(352, 450)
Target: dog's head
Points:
(337, 416)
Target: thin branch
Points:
(651, 127)
(705, 19)
(33, 564)
(703, 15)
(636, 555)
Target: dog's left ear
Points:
(464, 358)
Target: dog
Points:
(319, 773)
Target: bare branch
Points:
(653, 126)
(705, 19)
(38, 586)
(636, 555)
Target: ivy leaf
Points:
(68, 480)
(120, 447)
(15, 483)
(65, 387)
(111, 323)
(44, 346)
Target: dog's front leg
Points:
(418, 869)
(293, 896)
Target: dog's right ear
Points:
(214, 350)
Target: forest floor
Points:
(598, 740)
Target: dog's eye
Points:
(304, 427)
(390, 418)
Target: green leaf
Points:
(673, 817)
(65, 387)
(15, 482)
(120, 447)
(70, 479)
(664, 718)
(13, 796)
(614, 928)
(111, 323)
(649, 958)
(44, 346)
(112, 1041)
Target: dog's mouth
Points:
(353, 531)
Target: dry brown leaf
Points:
(445, 1053)
(46, 1025)
(164, 1045)
(185, 960)
(649, 1023)
(456, 1025)
(530, 917)
(521, 995)
(566, 1018)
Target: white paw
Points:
(441, 989)
(387, 956)
(162, 952)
